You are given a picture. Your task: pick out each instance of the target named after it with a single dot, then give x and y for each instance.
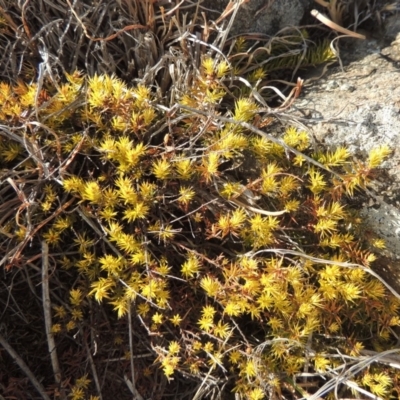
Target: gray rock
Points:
(261, 16)
(359, 106)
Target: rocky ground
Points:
(354, 102)
(357, 104)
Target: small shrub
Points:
(188, 231)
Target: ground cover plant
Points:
(167, 229)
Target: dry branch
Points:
(47, 313)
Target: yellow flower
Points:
(235, 357)
(250, 369)
(206, 324)
(190, 267)
(92, 192)
(174, 347)
(256, 394)
(208, 311)
(222, 330)
(143, 309)
(186, 195)
(121, 306)
(157, 318)
(56, 328)
(101, 288)
(176, 320)
(184, 169)
(211, 286)
(162, 169)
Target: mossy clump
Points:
(232, 278)
(186, 236)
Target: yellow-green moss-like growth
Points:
(238, 255)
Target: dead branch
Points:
(132, 387)
(47, 313)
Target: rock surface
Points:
(261, 16)
(358, 105)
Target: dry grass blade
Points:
(335, 8)
(106, 39)
(335, 26)
(261, 133)
(327, 262)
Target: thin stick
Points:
(257, 210)
(47, 313)
(94, 372)
(15, 253)
(24, 367)
(283, 252)
(263, 134)
(132, 386)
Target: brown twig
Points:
(229, 9)
(132, 386)
(47, 313)
(26, 27)
(94, 372)
(261, 133)
(16, 252)
(10, 23)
